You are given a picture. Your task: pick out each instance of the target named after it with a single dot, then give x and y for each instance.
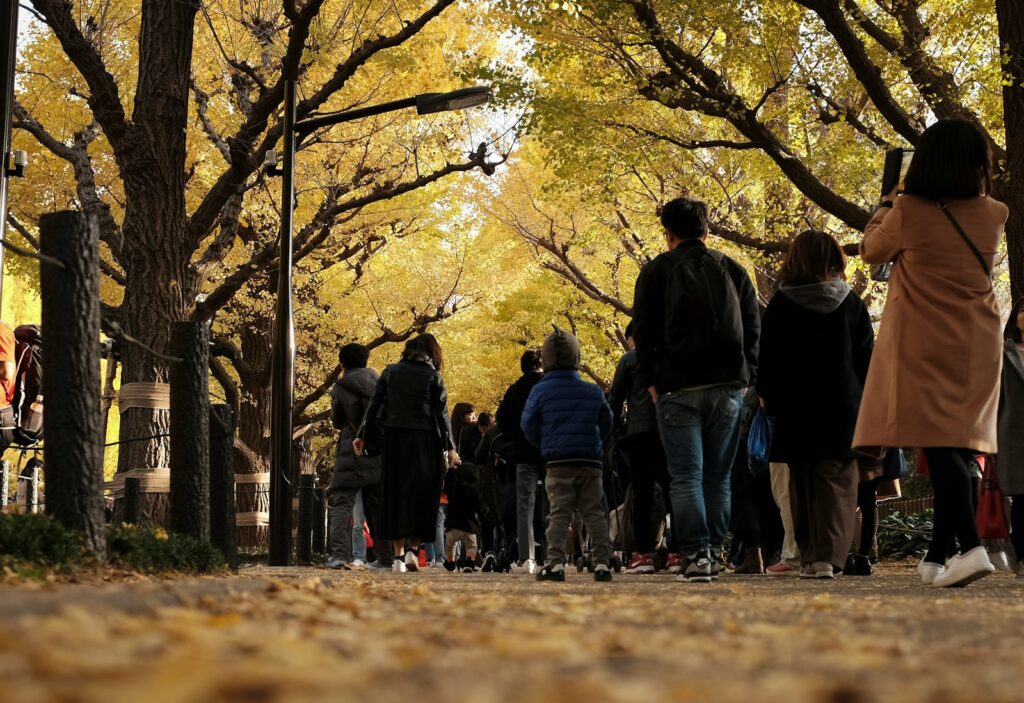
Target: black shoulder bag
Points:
(967, 240)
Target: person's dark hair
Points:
(459, 413)
(530, 361)
(354, 356)
(485, 420)
(951, 160)
(813, 257)
(630, 329)
(425, 344)
(1013, 331)
(685, 218)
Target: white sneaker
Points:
(527, 567)
(1000, 561)
(412, 561)
(965, 568)
(357, 565)
(929, 571)
(817, 570)
(398, 566)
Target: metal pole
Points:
(283, 363)
(8, 54)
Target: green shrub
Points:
(37, 540)
(151, 551)
(901, 536)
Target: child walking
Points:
(569, 419)
(462, 486)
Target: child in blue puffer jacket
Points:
(569, 420)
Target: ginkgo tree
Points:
(154, 116)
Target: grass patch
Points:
(33, 546)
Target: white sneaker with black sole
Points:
(412, 561)
(696, 568)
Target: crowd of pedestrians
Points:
(544, 480)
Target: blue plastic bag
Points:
(759, 443)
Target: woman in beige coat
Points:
(934, 377)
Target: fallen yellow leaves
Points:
(419, 638)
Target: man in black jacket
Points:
(697, 330)
(529, 465)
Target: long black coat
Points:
(349, 399)
(811, 374)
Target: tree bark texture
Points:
(1011, 187)
(73, 452)
(222, 484)
(252, 452)
(190, 429)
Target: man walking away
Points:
(697, 331)
(529, 467)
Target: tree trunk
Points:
(190, 430)
(1011, 187)
(159, 287)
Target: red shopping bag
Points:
(991, 515)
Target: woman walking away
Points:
(410, 404)
(934, 381)
(816, 340)
(1010, 463)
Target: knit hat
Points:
(561, 350)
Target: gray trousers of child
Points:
(571, 489)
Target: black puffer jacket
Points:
(510, 415)
(628, 391)
(349, 399)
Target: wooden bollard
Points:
(222, 485)
(69, 287)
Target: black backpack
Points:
(28, 388)
(703, 322)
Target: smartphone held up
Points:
(897, 163)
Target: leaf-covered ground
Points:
(312, 635)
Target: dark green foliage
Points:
(31, 544)
(152, 551)
(37, 540)
(901, 536)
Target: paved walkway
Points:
(312, 635)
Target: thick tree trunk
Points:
(1011, 187)
(157, 239)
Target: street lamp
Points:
(282, 381)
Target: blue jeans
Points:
(435, 549)
(700, 431)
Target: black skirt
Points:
(412, 473)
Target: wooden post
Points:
(131, 500)
(222, 484)
(319, 521)
(304, 536)
(190, 429)
(70, 294)
(109, 394)
(5, 482)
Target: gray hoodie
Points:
(824, 297)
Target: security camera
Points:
(20, 159)
(270, 161)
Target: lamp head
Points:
(465, 98)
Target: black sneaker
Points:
(490, 563)
(696, 568)
(602, 573)
(449, 565)
(549, 574)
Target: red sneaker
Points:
(674, 563)
(640, 564)
(781, 569)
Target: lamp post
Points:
(8, 54)
(282, 381)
